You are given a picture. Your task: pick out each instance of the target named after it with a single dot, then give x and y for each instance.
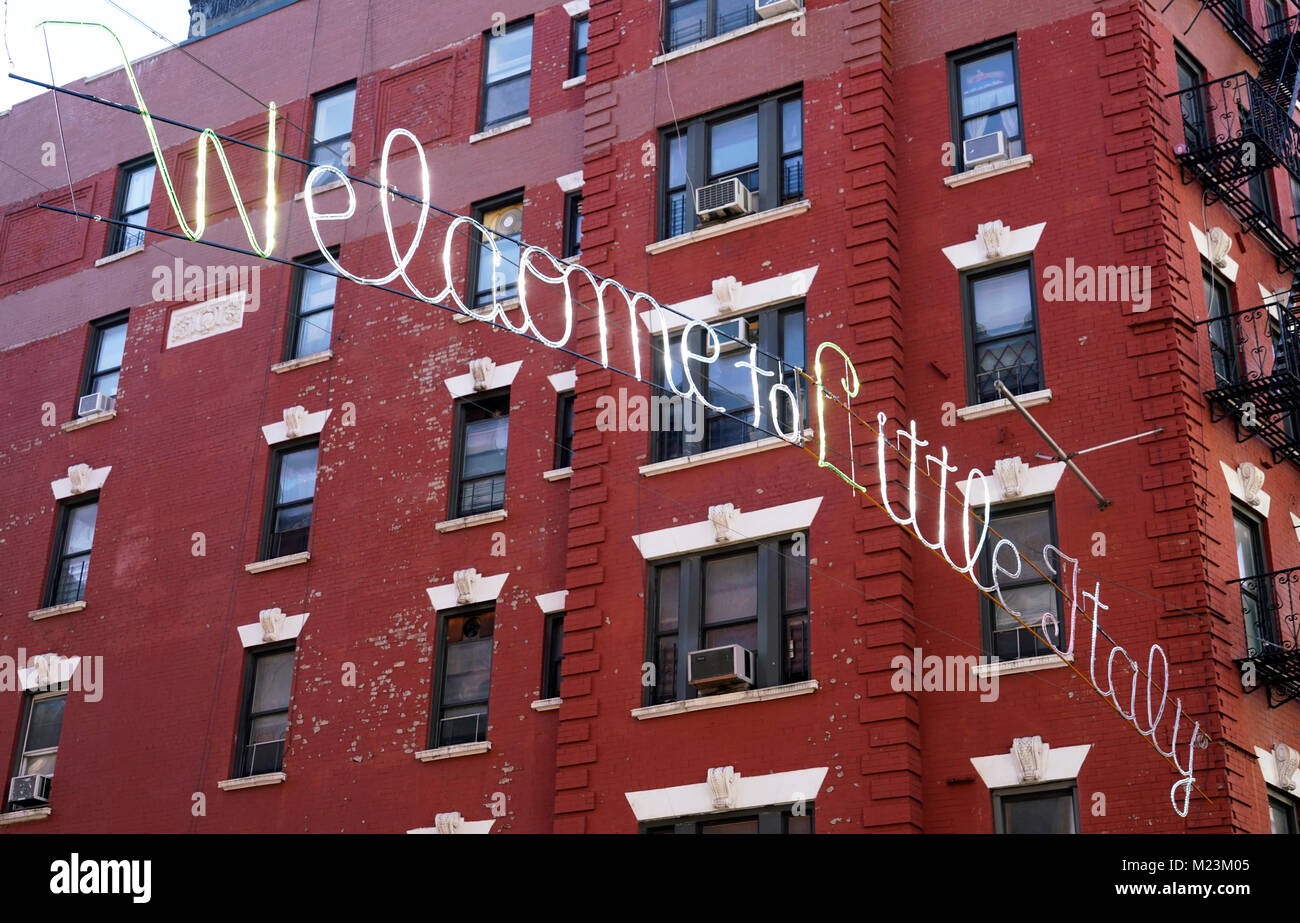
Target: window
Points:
(506, 75)
(331, 135)
(1003, 322)
(1030, 527)
(264, 716)
(504, 218)
(1191, 75)
(1252, 565)
(1218, 308)
(1281, 814)
(690, 21)
(578, 61)
(553, 657)
(682, 428)
(479, 465)
(464, 678)
(104, 358)
(1050, 808)
(986, 96)
(1259, 189)
(573, 224)
(756, 597)
(760, 143)
(1274, 14)
(312, 319)
(131, 204)
(768, 820)
(1295, 203)
(289, 500)
(38, 738)
(72, 541)
(564, 432)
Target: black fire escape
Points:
(1236, 130)
(1270, 604)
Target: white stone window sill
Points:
(716, 455)
(1002, 405)
(558, 474)
(288, 560)
(50, 611)
(500, 129)
(574, 82)
(468, 522)
(266, 778)
(289, 365)
(22, 817)
(89, 419)
(319, 190)
(985, 170)
(726, 37)
(1023, 665)
(717, 229)
(463, 318)
(545, 704)
(744, 697)
(455, 750)
(119, 255)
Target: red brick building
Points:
(360, 564)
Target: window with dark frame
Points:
(1196, 131)
(553, 657)
(573, 224)
(1252, 564)
(507, 74)
(464, 678)
(985, 92)
(688, 22)
(779, 335)
(72, 542)
(331, 133)
(1218, 308)
(264, 713)
(312, 318)
(38, 737)
(578, 59)
(479, 462)
(1031, 526)
(104, 357)
(763, 820)
(756, 596)
(1274, 17)
(504, 219)
(1002, 323)
(291, 496)
(758, 142)
(131, 204)
(1281, 814)
(1259, 189)
(1051, 808)
(564, 432)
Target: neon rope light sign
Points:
(545, 269)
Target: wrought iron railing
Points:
(1270, 606)
(698, 30)
(1232, 15)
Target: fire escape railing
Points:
(1270, 604)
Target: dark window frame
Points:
(955, 114)
(1225, 353)
(89, 371)
(968, 280)
(1258, 527)
(329, 143)
(771, 819)
(30, 698)
(479, 212)
(771, 158)
(1001, 795)
(552, 655)
(243, 763)
(293, 335)
(484, 86)
(711, 24)
(1288, 805)
(578, 53)
(458, 449)
(58, 553)
(564, 426)
(273, 505)
(988, 609)
(440, 668)
(572, 224)
(1196, 135)
(117, 234)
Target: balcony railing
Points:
(1256, 358)
(1270, 605)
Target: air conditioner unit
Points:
(30, 789)
(733, 333)
(984, 149)
(728, 197)
(769, 8)
(94, 403)
(716, 669)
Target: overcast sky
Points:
(80, 52)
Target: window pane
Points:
(1014, 361)
(792, 126)
(731, 588)
(470, 627)
(37, 765)
(677, 161)
(268, 728)
(297, 475)
(318, 290)
(272, 682)
(799, 823)
(46, 722)
(314, 333)
(468, 672)
(104, 384)
(669, 578)
(792, 337)
(296, 518)
(1030, 530)
(730, 826)
(1031, 602)
(745, 634)
(71, 579)
(1048, 812)
(111, 342)
(485, 447)
(1003, 304)
(511, 53)
(796, 580)
(334, 115)
(987, 83)
(733, 144)
(81, 528)
(580, 30)
(666, 688)
(1280, 817)
(686, 23)
(1248, 550)
(732, 14)
(462, 724)
(506, 100)
(139, 189)
(729, 385)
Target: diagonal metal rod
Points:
(1102, 502)
(1107, 445)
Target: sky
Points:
(79, 53)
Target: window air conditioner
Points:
(716, 669)
(30, 789)
(984, 149)
(733, 333)
(94, 403)
(728, 197)
(769, 8)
